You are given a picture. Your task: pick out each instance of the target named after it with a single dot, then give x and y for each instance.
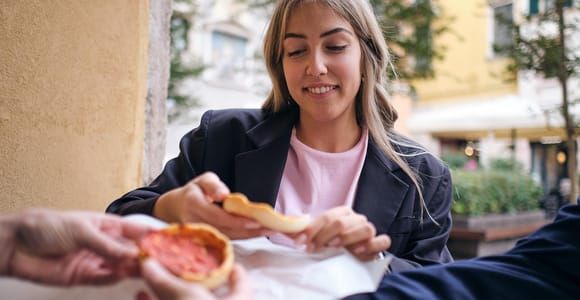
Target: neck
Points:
(329, 137)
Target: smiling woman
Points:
(321, 62)
(323, 145)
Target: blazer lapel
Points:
(380, 191)
(258, 172)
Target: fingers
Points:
(368, 250)
(91, 237)
(342, 227)
(344, 231)
(212, 186)
(321, 223)
(167, 286)
(75, 268)
(194, 202)
(215, 215)
(130, 229)
(360, 232)
(240, 288)
(203, 210)
(338, 227)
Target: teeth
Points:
(321, 90)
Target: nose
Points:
(316, 65)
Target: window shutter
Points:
(534, 7)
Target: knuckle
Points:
(339, 224)
(192, 193)
(370, 229)
(209, 176)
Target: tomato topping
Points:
(181, 253)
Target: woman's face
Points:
(321, 63)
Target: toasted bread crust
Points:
(237, 203)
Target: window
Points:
(228, 47)
(502, 26)
(537, 6)
(534, 7)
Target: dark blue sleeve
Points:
(544, 265)
(177, 172)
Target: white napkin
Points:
(279, 272)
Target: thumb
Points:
(166, 286)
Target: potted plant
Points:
(492, 209)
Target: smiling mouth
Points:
(321, 89)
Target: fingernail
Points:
(359, 249)
(252, 225)
(301, 239)
(334, 242)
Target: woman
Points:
(323, 144)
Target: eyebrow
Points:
(324, 34)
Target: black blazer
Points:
(247, 149)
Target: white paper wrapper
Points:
(276, 272)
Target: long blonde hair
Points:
(373, 109)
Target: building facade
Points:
(472, 108)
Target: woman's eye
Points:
(337, 48)
(295, 53)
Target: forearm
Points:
(8, 228)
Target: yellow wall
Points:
(72, 91)
(467, 69)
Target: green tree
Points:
(548, 54)
(410, 27)
(181, 22)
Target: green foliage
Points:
(412, 53)
(507, 165)
(541, 50)
(455, 160)
(494, 191)
(179, 28)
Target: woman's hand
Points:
(342, 227)
(194, 202)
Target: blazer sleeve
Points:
(177, 172)
(427, 243)
(543, 265)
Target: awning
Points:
(502, 113)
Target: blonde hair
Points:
(373, 109)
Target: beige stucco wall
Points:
(72, 91)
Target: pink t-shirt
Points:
(314, 181)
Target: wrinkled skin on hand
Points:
(74, 248)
